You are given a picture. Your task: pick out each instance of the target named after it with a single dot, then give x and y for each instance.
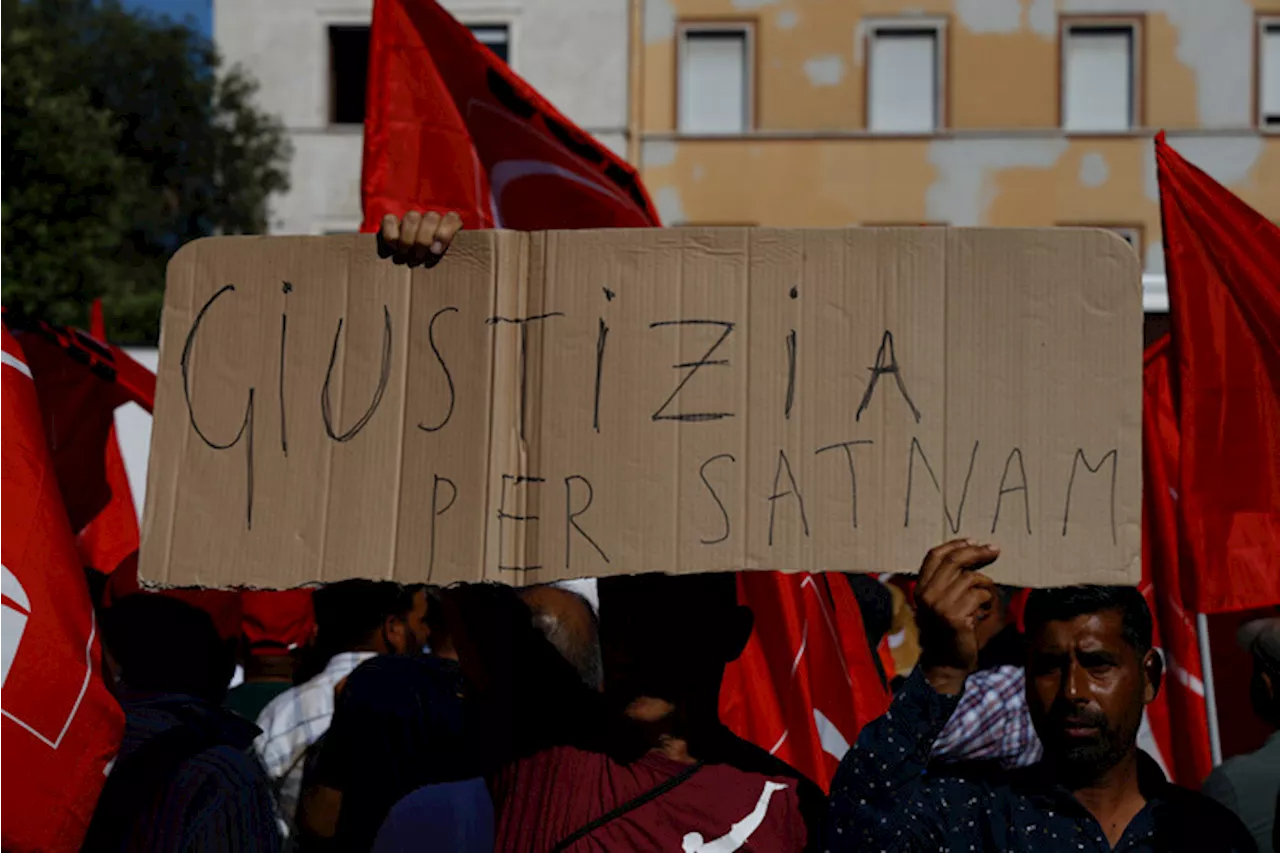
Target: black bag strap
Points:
(629, 806)
(135, 781)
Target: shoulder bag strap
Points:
(629, 806)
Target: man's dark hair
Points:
(349, 612)
(1064, 603)
(168, 646)
(408, 592)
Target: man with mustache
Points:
(1090, 672)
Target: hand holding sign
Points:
(950, 602)
(419, 239)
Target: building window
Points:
(1269, 73)
(348, 72)
(349, 66)
(904, 77)
(496, 37)
(714, 79)
(1099, 77)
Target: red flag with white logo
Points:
(806, 683)
(449, 126)
(80, 381)
(61, 726)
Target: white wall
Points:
(573, 51)
(133, 432)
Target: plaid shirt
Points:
(992, 722)
(295, 720)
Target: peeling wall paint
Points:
(1094, 170)
(990, 16)
(655, 153)
(670, 208)
(824, 70)
(963, 191)
(787, 19)
(1042, 18)
(1227, 160)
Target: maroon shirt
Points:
(543, 799)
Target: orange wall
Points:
(1000, 157)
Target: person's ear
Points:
(737, 631)
(393, 632)
(1153, 669)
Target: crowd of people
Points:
(482, 717)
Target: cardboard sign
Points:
(569, 404)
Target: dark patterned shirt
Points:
(884, 797)
(217, 800)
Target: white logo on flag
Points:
(13, 622)
(16, 363)
(739, 832)
(832, 740)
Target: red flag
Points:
(806, 683)
(450, 127)
(1222, 260)
(61, 726)
(81, 380)
(111, 539)
(1178, 718)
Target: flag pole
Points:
(1210, 697)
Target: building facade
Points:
(310, 59)
(953, 112)
(823, 113)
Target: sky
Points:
(200, 12)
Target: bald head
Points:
(569, 623)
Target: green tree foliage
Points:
(123, 139)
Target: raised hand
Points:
(952, 597)
(420, 239)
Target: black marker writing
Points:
(572, 515)
(702, 472)
(791, 372)
(783, 462)
(911, 462)
(693, 367)
(436, 512)
(601, 338)
(1026, 493)
(847, 447)
(448, 377)
(504, 516)
(523, 323)
(286, 289)
(326, 410)
(881, 368)
(246, 426)
(1079, 457)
